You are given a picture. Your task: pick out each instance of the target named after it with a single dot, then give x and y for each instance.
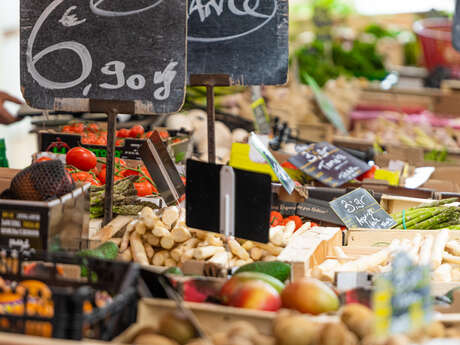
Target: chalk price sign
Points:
(358, 209)
(99, 49)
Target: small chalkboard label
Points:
(329, 165)
(318, 210)
(247, 40)
(358, 209)
(23, 229)
(73, 51)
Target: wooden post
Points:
(112, 109)
(210, 81)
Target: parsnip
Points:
(453, 247)
(203, 253)
(187, 255)
(191, 243)
(220, 258)
(214, 240)
(270, 248)
(169, 262)
(149, 250)
(237, 249)
(160, 257)
(167, 242)
(125, 240)
(181, 234)
(340, 254)
(425, 250)
(126, 255)
(160, 230)
(449, 258)
(177, 252)
(438, 247)
(201, 235)
(256, 253)
(239, 263)
(152, 240)
(170, 215)
(442, 274)
(248, 245)
(137, 249)
(269, 258)
(149, 218)
(140, 228)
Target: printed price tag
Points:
(358, 209)
(402, 299)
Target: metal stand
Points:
(210, 81)
(112, 109)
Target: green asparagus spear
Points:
(434, 220)
(423, 216)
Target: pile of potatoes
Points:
(161, 238)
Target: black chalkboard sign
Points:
(253, 193)
(358, 209)
(74, 50)
(329, 165)
(247, 40)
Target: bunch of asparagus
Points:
(125, 199)
(429, 216)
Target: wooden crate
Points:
(394, 204)
(317, 132)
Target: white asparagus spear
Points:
(276, 235)
(138, 250)
(442, 274)
(203, 253)
(170, 215)
(425, 251)
(438, 247)
(340, 254)
(413, 252)
(237, 249)
(452, 259)
(288, 232)
(453, 247)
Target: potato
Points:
(295, 330)
(337, 334)
(359, 319)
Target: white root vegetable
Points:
(152, 240)
(214, 240)
(140, 228)
(149, 218)
(239, 263)
(191, 243)
(167, 242)
(187, 255)
(170, 262)
(125, 256)
(149, 250)
(203, 253)
(269, 258)
(425, 250)
(176, 253)
(340, 254)
(248, 245)
(326, 270)
(237, 249)
(270, 248)
(288, 232)
(456, 273)
(160, 230)
(125, 240)
(276, 235)
(137, 249)
(201, 235)
(180, 234)
(160, 257)
(415, 247)
(220, 258)
(438, 247)
(452, 259)
(115, 226)
(366, 263)
(453, 247)
(256, 253)
(170, 215)
(442, 274)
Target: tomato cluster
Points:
(94, 134)
(82, 166)
(276, 219)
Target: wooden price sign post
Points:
(104, 56)
(236, 43)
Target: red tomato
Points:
(44, 159)
(81, 158)
(67, 129)
(164, 135)
(84, 176)
(103, 175)
(93, 127)
(123, 133)
(144, 188)
(275, 218)
(130, 172)
(119, 142)
(101, 141)
(78, 127)
(368, 174)
(136, 132)
(298, 222)
(313, 224)
(148, 134)
(177, 140)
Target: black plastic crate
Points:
(75, 313)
